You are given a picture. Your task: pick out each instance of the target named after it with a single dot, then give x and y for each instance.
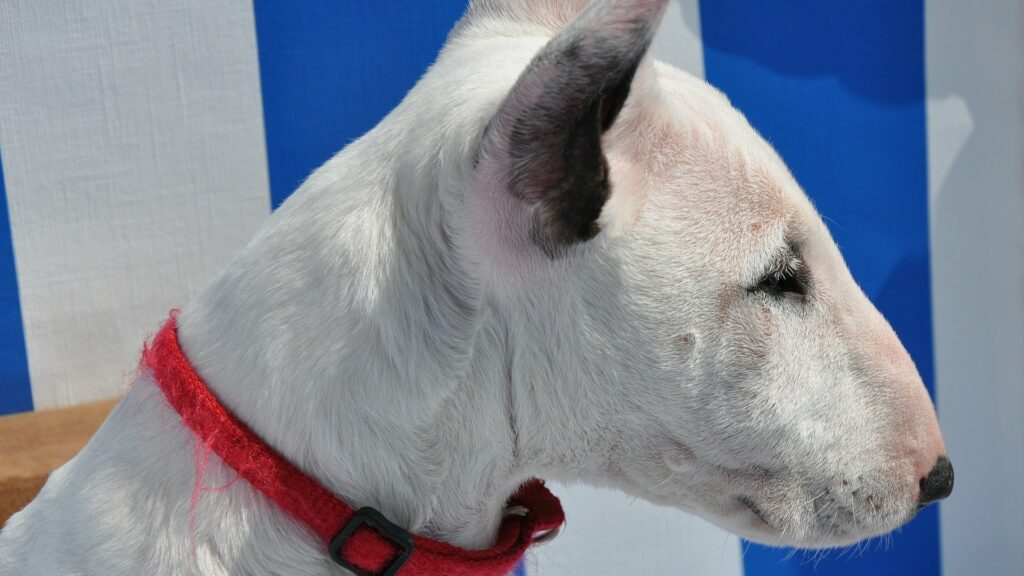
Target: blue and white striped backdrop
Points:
(142, 142)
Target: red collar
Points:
(362, 541)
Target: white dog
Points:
(556, 258)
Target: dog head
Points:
(707, 347)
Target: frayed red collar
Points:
(362, 541)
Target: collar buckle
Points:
(375, 520)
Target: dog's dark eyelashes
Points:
(781, 284)
(789, 278)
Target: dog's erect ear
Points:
(544, 143)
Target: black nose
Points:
(938, 484)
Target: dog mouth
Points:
(754, 509)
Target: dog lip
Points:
(754, 509)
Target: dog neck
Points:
(354, 340)
(362, 363)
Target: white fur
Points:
(382, 336)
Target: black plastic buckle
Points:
(384, 527)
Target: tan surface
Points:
(33, 444)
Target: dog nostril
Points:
(938, 484)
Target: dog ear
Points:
(544, 143)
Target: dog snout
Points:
(938, 484)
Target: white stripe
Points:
(133, 146)
(976, 147)
(678, 41)
(608, 532)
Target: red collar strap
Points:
(362, 541)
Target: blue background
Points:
(15, 388)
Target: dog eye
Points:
(789, 279)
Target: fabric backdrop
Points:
(142, 142)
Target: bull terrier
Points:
(556, 258)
